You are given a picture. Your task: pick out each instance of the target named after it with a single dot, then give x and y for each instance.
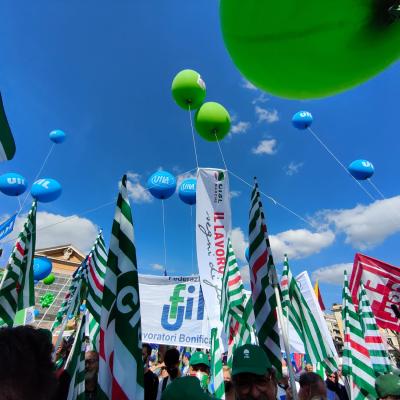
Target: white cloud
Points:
(248, 85)
(332, 274)
(293, 168)
(262, 98)
(299, 243)
(269, 116)
(267, 146)
(239, 243)
(157, 267)
(240, 127)
(56, 230)
(136, 191)
(182, 177)
(245, 273)
(234, 193)
(366, 226)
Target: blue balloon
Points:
(57, 136)
(83, 307)
(36, 312)
(187, 191)
(302, 120)
(70, 316)
(46, 190)
(361, 169)
(41, 268)
(162, 185)
(247, 254)
(12, 184)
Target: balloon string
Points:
(192, 235)
(340, 163)
(37, 176)
(165, 245)
(376, 188)
(220, 150)
(194, 140)
(277, 203)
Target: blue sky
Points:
(103, 73)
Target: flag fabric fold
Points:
(17, 286)
(356, 359)
(319, 297)
(121, 365)
(296, 309)
(263, 278)
(217, 372)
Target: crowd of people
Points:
(27, 371)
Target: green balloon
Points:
(309, 49)
(212, 121)
(188, 89)
(49, 279)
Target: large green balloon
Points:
(212, 121)
(309, 49)
(49, 279)
(188, 89)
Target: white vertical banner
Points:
(213, 225)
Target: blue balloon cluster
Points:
(46, 190)
(302, 120)
(361, 169)
(57, 136)
(187, 191)
(162, 185)
(41, 268)
(12, 184)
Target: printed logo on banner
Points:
(180, 307)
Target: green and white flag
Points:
(121, 365)
(357, 364)
(373, 339)
(296, 309)
(17, 286)
(7, 144)
(93, 331)
(234, 315)
(263, 278)
(96, 265)
(217, 372)
(75, 365)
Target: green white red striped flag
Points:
(296, 309)
(7, 143)
(121, 365)
(217, 372)
(75, 365)
(96, 264)
(373, 339)
(263, 277)
(93, 332)
(17, 286)
(356, 360)
(234, 316)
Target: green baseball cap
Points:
(187, 387)
(250, 359)
(388, 385)
(199, 358)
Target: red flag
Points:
(319, 297)
(382, 284)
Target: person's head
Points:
(253, 376)
(186, 358)
(171, 361)
(332, 376)
(185, 388)
(311, 386)
(227, 379)
(388, 387)
(199, 362)
(146, 353)
(91, 365)
(161, 353)
(308, 368)
(26, 367)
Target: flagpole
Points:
(274, 280)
